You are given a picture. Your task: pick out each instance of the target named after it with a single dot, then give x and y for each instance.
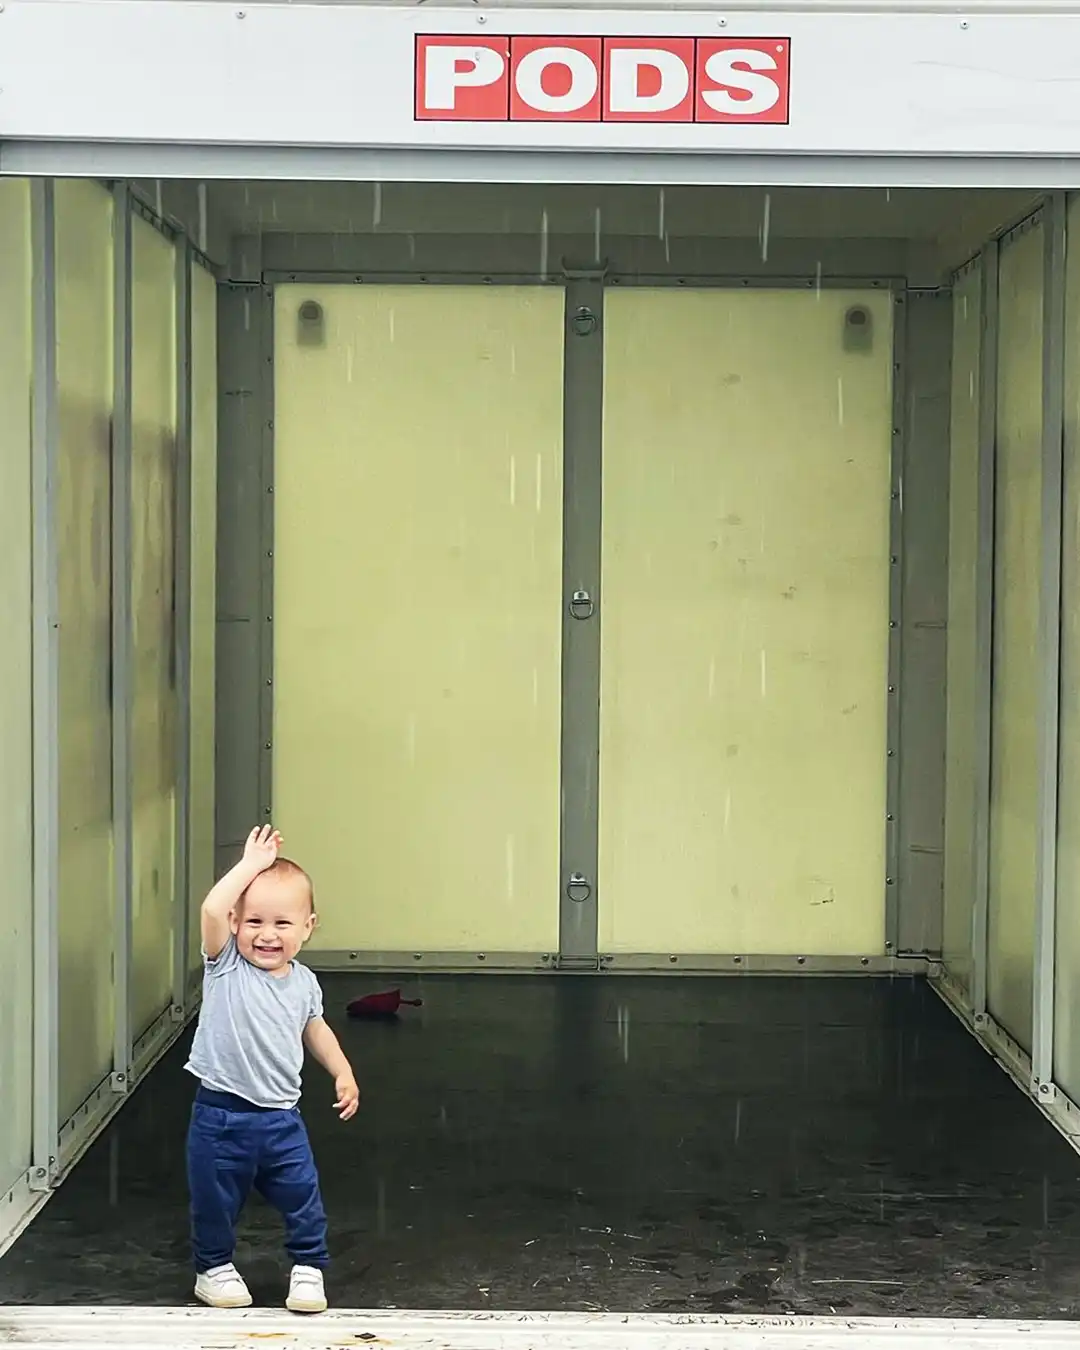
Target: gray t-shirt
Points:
(249, 1038)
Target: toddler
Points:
(260, 1009)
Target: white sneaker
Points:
(222, 1287)
(307, 1293)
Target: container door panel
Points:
(417, 614)
(745, 605)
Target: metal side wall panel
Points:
(1067, 928)
(924, 539)
(962, 664)
(245, 407)
(84, 377)
(1014, 800)
(154, 682)
(745, 638)
(417, 615)
(16, 751)
(203, 534)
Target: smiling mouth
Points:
(268, 951)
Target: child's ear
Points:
(234, 922)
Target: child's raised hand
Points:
(262, 847)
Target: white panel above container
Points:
(756, 82)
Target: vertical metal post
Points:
(242, 663)
(266, 575)
(896, 629)
(1049, 656)
(182, 620)
(122, 640)
(583, 376)
(984, 623)
(46, 690)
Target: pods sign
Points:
(497, 78)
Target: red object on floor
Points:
(385, 1004)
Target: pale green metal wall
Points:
(1012, 902)
(108, 470)
(910, 885)
(84, 413)
(16, 749)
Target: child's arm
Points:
(259, 853)
(323, 1044)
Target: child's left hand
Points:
(348, 1096)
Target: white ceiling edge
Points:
(189, 1328)
(205, 162)
(898, 7)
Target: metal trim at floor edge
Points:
(192, 1327)
(19, 1207)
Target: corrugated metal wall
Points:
(109, 398)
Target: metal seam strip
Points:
(304, 163)
(266, 544)
(583, 375)
(45, 648)
(706, 280)
(182, 621)
(1053, 393)
(122, 660)
(984, 624)
(896, 626)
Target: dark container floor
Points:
(740, 1145)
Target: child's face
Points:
(273, 921)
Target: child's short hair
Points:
(286, 870)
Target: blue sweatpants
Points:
(234, 1146)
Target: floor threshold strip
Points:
(201, 1329)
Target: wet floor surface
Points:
(741, 1145)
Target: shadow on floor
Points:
(744, 1145)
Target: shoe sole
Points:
(211, 1302)
(300, 1305)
